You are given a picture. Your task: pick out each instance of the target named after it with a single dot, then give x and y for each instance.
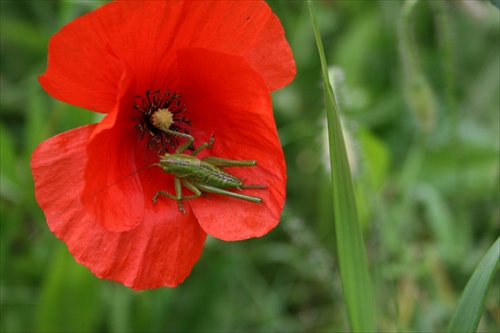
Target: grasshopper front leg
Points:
(206, 145)
(189, 141)
(178, 192)
(185, 145)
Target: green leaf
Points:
(69, 301)
(471, 304)
(10, 190)
(356, 283)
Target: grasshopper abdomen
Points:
(214, 176)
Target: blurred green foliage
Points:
(418, 86)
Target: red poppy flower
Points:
(212, 64)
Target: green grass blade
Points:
(356, 283)
(471, 304)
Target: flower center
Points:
(160, 111)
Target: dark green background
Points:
(419, 96)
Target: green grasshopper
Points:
(202, 175)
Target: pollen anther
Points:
(162, 119)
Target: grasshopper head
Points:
(165, 161)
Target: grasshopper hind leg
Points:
(216, 190)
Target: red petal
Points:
(227, 98)
(161, 251)
(81, 69)
(87, 57)
(247, 28)
(113, 191)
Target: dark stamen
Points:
(158, 139)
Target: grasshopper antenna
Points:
(117, 181)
